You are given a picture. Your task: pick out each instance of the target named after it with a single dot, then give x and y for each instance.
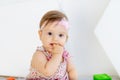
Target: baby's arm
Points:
(48, 68)
(72, 73)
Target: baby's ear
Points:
(67, 38)
(40, 33)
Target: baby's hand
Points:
(57, 49)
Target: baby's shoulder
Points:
(38, 54)
(38, 57)
(38, 51)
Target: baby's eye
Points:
(61, 35)
(49, 33)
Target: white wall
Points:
(91, 56)
(108, 33)
(18, 35)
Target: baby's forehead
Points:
(60, 24)
(56, 25)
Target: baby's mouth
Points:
(51, 44)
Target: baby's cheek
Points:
(63, 43)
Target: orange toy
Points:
(10, 78)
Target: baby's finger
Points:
(57, 44)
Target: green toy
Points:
(101, 77)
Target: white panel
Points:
(108, 33)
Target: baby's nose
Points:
(55, 38)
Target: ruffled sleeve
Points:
(66, 55)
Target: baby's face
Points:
(53, 33)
